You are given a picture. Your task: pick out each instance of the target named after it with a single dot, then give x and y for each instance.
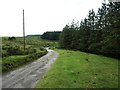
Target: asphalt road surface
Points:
(29, 75)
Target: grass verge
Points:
(75, 69)
(15, 61)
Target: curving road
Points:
(29, 75)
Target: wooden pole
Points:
(23, 30)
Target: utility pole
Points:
(23, 30)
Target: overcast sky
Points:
(42, 15)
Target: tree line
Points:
(53, 35)
(97, 33)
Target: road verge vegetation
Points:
(13, 61)
(14, 56)
(75, 69)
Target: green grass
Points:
(12, 62)
(75, 69)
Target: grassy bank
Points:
(75, 69)
(12, 62)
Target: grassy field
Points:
(75, 69)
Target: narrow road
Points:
(29, 75)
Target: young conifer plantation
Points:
(98, 33)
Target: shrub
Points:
(11, 38)
(4, 53)
(30, 50)
(13, 50)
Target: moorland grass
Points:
(75, 69)
(14, 56)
